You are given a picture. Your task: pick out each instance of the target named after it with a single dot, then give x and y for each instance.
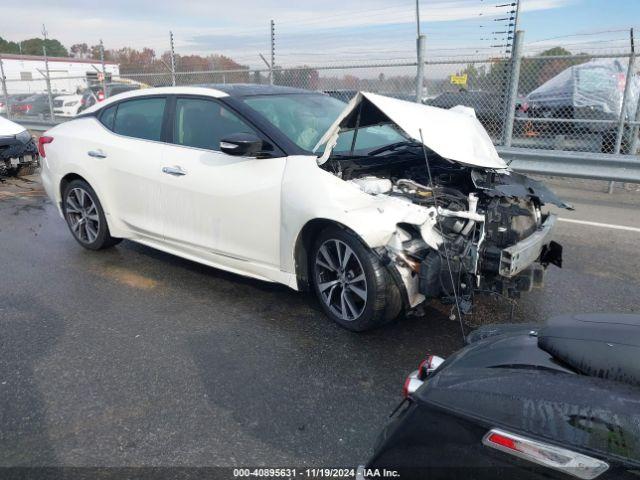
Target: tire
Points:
(371, 296)
(85, 216)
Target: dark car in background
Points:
(36, 105)
(556, 401)
(591, 91)
(489, 106)
(344, 95)
(95, 93)
(14, 98)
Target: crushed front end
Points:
(485, 229)
(490, 235)
(485, 233)
(17, 151)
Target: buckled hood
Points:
(454, 134)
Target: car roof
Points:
(215, 90)
(250, 89)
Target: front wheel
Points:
(353, 287)
(85, 216)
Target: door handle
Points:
(176, 171)
(97, 154)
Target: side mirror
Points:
(242, 145)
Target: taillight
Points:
(551, 456)
(100, 96)
(411, 384)
(621, 81)
(42, 141)
(417, 378)
(429, 365)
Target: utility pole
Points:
(104, 71)
(46, 67)
(173, 60)
(4, 89)
(421, 45)
(273, 52)
(514, 78)
(516, 18)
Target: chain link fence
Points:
(585, 102)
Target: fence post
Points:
(104, 72)
(421, 44)
(173, 60)
(625, 97)
(514, 79)
(635, 130)
(273, 52)
(48, 81)
(4, 89)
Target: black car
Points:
(36, 105)
(489, 106)
(557, 401)
(344, 95)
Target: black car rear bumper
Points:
(15, 153)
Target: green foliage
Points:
(8, 47)
(33, 46)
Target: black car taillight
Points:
(550, 456)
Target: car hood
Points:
(454, 134)
(9, 128)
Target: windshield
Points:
(304, 118)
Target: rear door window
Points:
(141, 118)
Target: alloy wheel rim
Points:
(82, 215)
(341, 280)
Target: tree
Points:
(33, 46)
(79, 50)
(7, 46)
(536, 71)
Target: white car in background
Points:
(66, 105)
(376, 205)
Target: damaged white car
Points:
(377, 205)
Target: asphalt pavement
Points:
(131, 357)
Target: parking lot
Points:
(135, 357)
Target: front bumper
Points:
(518, 257)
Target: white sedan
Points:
(376, 205)
(66, 105)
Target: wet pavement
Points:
(135, 357)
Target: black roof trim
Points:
(249, 89)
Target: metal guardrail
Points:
(594, 166)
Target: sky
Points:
(325, 32)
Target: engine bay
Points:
(477, 214)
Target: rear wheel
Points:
(85, 216)
(353, 287)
